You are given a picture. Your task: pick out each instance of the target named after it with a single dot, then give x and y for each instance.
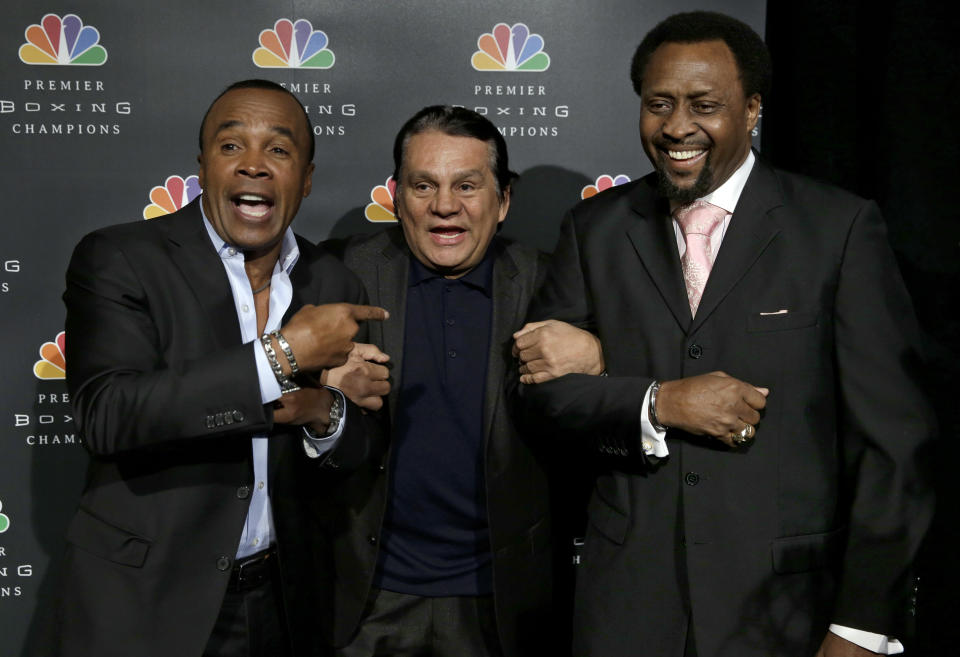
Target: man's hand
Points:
(553, 348)
(363, 378)
(304, 406)
(321, 337)
(714, 404)
(835, 646)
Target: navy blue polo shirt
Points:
(435, 539)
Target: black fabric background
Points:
(864, 97)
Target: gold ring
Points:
(744, 435)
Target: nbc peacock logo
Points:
(175, 193)
(382, 209)
(510, 48)
(603, 182)
(62, 42)
(4, 520)
(293, 45)
(53, 363)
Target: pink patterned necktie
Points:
(697, 221)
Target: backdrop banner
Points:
(100, 105)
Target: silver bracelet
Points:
(287, 351)
(286, 385)
(652, 408)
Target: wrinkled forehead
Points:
(276, 110)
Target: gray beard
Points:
(690, 194)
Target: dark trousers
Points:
(404, 625)
(252, 622)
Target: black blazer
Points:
(817, 520)
(517, 497)
(166, 399)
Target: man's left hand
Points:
(304, 406)
(835, 646)
(553, 348)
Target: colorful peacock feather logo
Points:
(603, 182)
(293, 45)
(510, 49)
(382, 209)
(4, 520)
(62, 42)
(52, 363)
(175, 193)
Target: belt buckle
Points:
(244, 576)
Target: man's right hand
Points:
(714, 404)
(321, 337)
(363, 379)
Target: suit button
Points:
(223, 563)
(238, 416)
(695, 351)
(691, 479)
(382, 467)
(372, 540)
(243, 492)
(210, 423)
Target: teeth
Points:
(256, 198)
(684, 155)
(258, 211)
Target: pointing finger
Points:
(363, 313)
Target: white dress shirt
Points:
(258, 532)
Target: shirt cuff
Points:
(653, 442)
(878, 643)
(316, 446)
(269, 388)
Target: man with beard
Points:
(761, 428)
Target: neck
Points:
(259, 267)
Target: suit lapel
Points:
(506, 312)
(393, 270)
(751, 230)
(192, 252)
(655, 242)
(302, 282)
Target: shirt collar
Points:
(480, 277)
(289, 251)
(727, 195)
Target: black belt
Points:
(250, 572)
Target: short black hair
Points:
(749, 50)
(458, 122)
(259, 84)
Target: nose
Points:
(445, 202)
(679, 124)
(252, 165)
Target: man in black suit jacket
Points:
(199, 494)
(702, 539)
(445, 545)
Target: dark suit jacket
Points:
(818, 519)
(167, 398)
(517, 502)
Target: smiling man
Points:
(760, 433)
(445, 545)
(192, 342)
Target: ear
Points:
(200, 169)
(753, 111)
(308, 180)
(504, 204)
